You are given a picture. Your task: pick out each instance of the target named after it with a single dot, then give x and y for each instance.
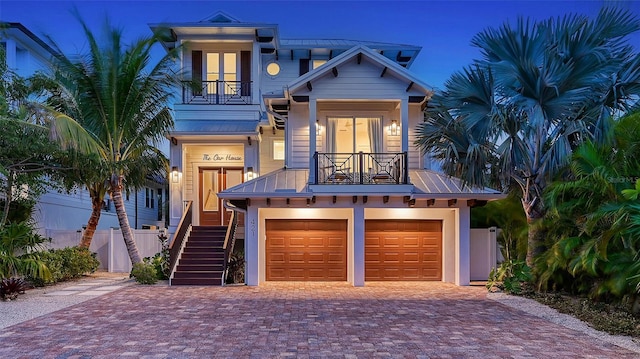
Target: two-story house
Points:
(26, 54)
(311, 142)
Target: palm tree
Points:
(120, 98)
(513, 118)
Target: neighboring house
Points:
(26, 54)
(312, 141)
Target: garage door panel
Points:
(312, 250)
(403, 250)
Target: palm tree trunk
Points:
(92, 224)
(8, 197)
(115, 191)
(534, 210)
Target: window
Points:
(278, 149)
(221, 66)
(273, 69)
(354, 134)
(148, 198)
(160, 204)
(317, 63)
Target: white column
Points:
(463, 260)
(358, 246)
(175, 187)
(404, 123)
(312, 139)
(252, 247)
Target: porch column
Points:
(358, 246)
(463, 260)
(175, 187)
(404, 123)
(252, 247)
(312, 139)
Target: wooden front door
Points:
(212, 181)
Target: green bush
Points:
(144, 273)
(160, 264)
(510, 276)
(65, 264)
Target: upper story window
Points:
(278, 149)
(223, 73)
(354, 134)
(222, 66)
(148, 198)
(317, 63)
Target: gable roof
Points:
(374, 56)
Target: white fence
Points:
(109, 245)
(484, 252)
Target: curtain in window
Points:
(332, 124)
(375, 134)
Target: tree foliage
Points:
(120, 98)
(513, 118)
(593, 222)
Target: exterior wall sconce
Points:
(175, 176)
(250, 173)
(317, 127)
(393, 129)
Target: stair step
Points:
(190, 267)
(196, 281)
(210, 243)
(198, 274)
(200, 262)
(203, 254)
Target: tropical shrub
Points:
(19, 246)
(235, 268)
(160, 264)
(144, 273)
(65, 264)
(593, 222)
(511, 277)
(11, 287)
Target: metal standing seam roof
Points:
(433, 184)
(280, 183)
(294, 183)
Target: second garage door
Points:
(403, 250)
(306, 250)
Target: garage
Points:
(306, 250)
(403, 250)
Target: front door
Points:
(212, 181)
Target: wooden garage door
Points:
(306, 250)
(403, 250)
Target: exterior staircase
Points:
(202, 261)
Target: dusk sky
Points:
(442, 28)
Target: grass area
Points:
(612, 319)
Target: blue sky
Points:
(442, 28)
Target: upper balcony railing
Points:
(216, 92)
(361, 168)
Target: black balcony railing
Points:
(216, 92)
(361, 168)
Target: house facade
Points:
(310, 144)
(26, 53)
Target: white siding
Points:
(358, 81)
(267, 163)
(298, 136)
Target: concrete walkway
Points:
(304, 320)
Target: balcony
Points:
(361, 168)
(216, 92)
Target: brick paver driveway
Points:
(403, 320)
